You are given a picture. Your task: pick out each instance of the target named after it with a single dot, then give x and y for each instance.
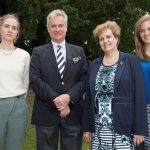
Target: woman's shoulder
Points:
(22, 51)
(130, 55)
(22, 54)
(97, 60)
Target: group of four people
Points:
(112, 114)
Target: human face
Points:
(9, 29)
(107, 41)
(145, 32)
(57, 29)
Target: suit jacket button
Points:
(62, 83)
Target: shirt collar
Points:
(62, 44)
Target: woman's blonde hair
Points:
(139, 44)
(14, 16)
(107, 25)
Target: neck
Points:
(111, 58)
(7, 45)
(147, 50)
(112, 55)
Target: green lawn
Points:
(30, 142)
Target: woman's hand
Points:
(87, 136)
(138, 139)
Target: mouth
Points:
(106, 46)
(147, 37)
(9, 35)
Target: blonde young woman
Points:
(142, 42)
(14, 80)
(114, 115)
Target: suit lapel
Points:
(68, 58)
(52, 59)
(119, 71)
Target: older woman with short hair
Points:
(114, 115)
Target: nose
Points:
(146, 32)
(10, 29)
(105, 40)
(57, 28)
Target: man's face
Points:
(57, 29)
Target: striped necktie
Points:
(60, 61)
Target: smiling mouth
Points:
(106, 46)
(147, 37)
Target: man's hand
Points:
(62, 101)
(65, 112)
(138, 139)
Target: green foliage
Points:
(83, 15)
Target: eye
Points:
(53, 26)
(142, 30)
(108, 36)
(14, 28)
(6, 25)
(101, 39)
(9, 26)
(61, 25)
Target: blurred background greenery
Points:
(84, 15)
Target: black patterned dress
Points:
(104, 137)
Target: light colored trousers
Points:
(13, 122)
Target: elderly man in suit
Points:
(57, 75)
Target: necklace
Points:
(6, 51)
(112, 60)
(9, 52)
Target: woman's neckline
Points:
(7, 52)
(109, 65)
(111, 62)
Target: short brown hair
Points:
(107, 25)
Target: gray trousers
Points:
(13, 122)
(69, 136)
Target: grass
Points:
(30, 142)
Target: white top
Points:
(14, 72)
(63, 48)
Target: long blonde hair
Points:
(139, 44)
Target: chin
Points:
(147, 42)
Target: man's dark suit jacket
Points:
(47, 84)
(129, 102)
